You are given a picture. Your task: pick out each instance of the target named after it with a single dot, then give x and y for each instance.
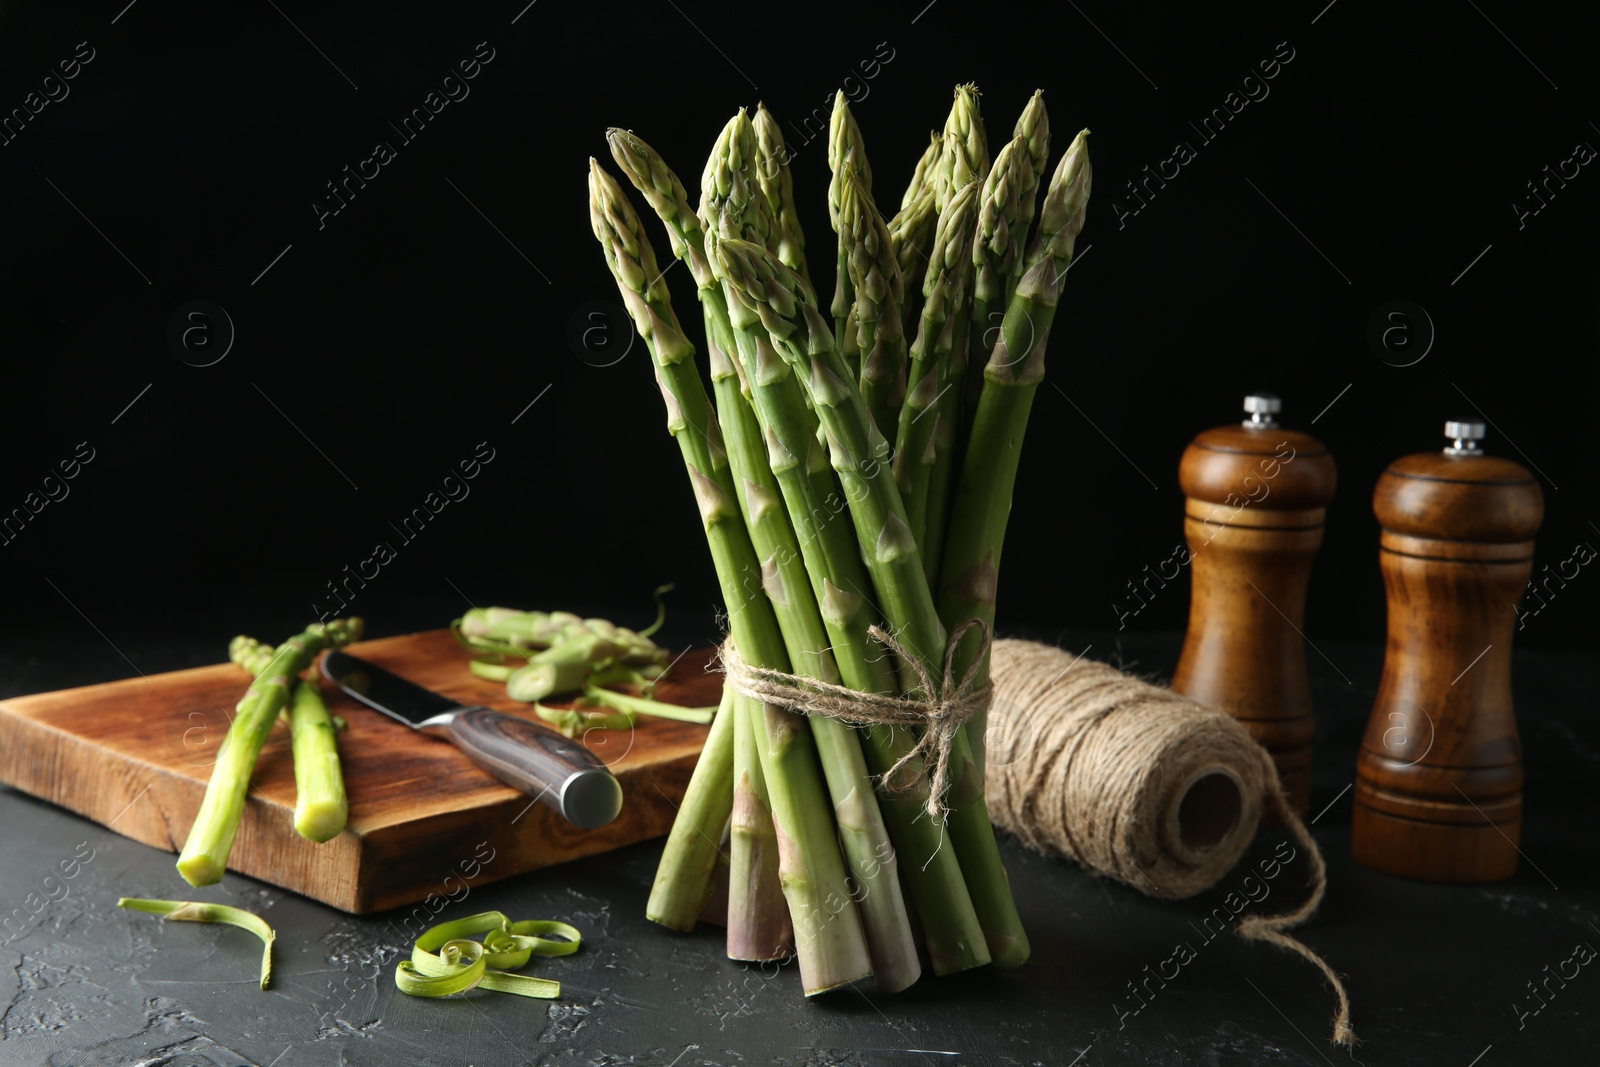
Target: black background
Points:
(425, 316)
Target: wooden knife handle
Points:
(555, 770)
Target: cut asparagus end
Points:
(201, 869)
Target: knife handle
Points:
(553, 769)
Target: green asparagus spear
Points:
(964, 149)
(759, 926)
(787, 308)
(923, 436)
(205, 851)
(833, 564)
(997, 257)
(879, 292)
(772, 171)
(320, 804)
(1011, 377)
(810, 865)
(846, 152)
(862, 833)
(1033, 126)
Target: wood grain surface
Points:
(1255, 502)
(134, 755)
(1438, 792)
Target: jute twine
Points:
(1089, 763)
(947, 704)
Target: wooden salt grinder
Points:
(1256, 495)
(1438, 791)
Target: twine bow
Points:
(947, 705)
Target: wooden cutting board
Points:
(135, 755)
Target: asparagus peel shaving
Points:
(195, 911)
(446, 961)
(638, 705)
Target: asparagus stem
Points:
(837, 954)
(320, 805)
(683, 877)
(863, 836)
(833, 565)
(922, 436)
(715, 911)
(997, 256)
(559, 669)
(759, 927)
(879, 292)
(608, 698)
(787, 308)
(205, 851)
(1011, 377)
(983, 501)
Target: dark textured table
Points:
(1437, 974)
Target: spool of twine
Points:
(1136, 783)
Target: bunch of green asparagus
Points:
(853, 468)
(276, 691)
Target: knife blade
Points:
(525, 755)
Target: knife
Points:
(523, 754)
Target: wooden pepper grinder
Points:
(1256, 495)
(1438, 791)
